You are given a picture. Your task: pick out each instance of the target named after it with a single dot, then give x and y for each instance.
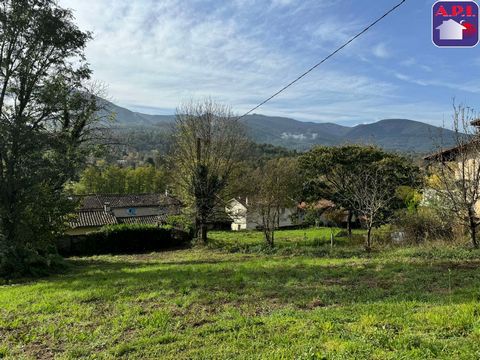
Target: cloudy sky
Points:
(154, 54)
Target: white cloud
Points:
(411, 62)
(288, 136)
(282, 3)
(381, 51)
(469, 87)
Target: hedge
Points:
(124, 239)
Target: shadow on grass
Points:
(281, 281)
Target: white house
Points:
(451, 30)
(245, 217)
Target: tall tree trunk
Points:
(204, 233)
(473, 228)
(349, 223)
(368, 244)
(201, 230)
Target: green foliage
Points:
(145, 139)
(49, 114)
(331, 172)
(183, 222)
(423, 225)
(113, 179)
(127, 239)
(29, 260)
(361, 179)
(411, 197)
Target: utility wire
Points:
(326, 58)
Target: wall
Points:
(137, 211)
(238, 213)
(244, 219)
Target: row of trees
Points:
(114, 179)
(210, 145)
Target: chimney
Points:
(246, 201)
(106, 207)
(166, 192)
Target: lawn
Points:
(204, 303)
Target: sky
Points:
(153, 55)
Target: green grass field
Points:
(204, 303)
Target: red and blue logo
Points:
(455, 23)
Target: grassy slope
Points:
(208, 304)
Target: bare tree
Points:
(456, 171)
(208, 142)
(277, 185)
(371, 197)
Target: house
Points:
(327, 213)
(95, 211)
(463, 164)
(244, 216)
(451, 30)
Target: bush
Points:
(126, 239)
(27, 261)
(423, 225)
(182, 222)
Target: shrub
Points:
(424, 224)
(26, 261)
(182, 222)
(126, 239)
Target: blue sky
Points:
(154, 55)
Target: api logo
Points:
(455, 23)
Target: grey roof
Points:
(101, 218)
(92, 218)
(144, 220)
(91, 211)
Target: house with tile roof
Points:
(95, 211)
(244, 215)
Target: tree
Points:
(361, 179)
(374, 194)
(48, 114)
(209, 141)
(331, 172)
(117, 180)
(457, 171)
(277, 187)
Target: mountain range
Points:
(391, 134)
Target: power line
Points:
(326, 58)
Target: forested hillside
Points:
(148, 132)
